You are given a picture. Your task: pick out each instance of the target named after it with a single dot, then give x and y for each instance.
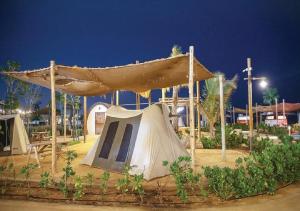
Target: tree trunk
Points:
(174, 107)
(211, 130)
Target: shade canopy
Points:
(288, 107)
(84, 81)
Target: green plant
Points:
(68, 172)
(78, 186)
(26, 171)
(211, 99)
(209, 143)
(137, 186)
(123, 183)
(262, 171)
(45, 180)
(89, 178)
(104, 182)
(270, 95)
(2, 170)
(185, 178)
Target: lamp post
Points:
(250, 109)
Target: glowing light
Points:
(180, 109)
(263, 84)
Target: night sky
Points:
(110, 33)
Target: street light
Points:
(263, 84)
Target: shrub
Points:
(26, 171)
(68, 172)
(137, 186)
(185, 178)
(45, 180)
(123, 183)
(209, 143)
(104, 182)
(233, 140)
(89, 178)
(78, 186)
(262, 171)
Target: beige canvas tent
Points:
(141, 138)
(14, 138)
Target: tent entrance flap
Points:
(117, 142)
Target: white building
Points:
(96, 118)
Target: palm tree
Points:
(211, 102)
(270, 96)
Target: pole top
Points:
(52, 62)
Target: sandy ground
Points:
(285, 199)
(204, 157)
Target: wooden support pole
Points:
(283, 108)
(137, 96)
(222, 115)
(256, 116)
(233, 113)
(187, 115)
(247, 121)
(53, 116)
(198, 111)
(276, 110)
(149, 99)
(163, 95)
(112, 100)
(65, 117)
(84, 118)
(117, 97)
(250, 102)
(137, 101)
(191, 101)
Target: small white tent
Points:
(142, 139)
(96, 118)
(14, 137)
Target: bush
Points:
(233, 140)
(185, 178)
(68, 172)
(267, 167)
(272, 130)
(209, 143)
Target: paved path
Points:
(286, 199)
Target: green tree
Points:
(211, 98)
(13, 86)
(60, 99)
(31, 96)
(270, 95)
(74, 102)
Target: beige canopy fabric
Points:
(83, 81)
(288, 107)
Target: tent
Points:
(142, 139)
(14, 138)
(96, 118)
